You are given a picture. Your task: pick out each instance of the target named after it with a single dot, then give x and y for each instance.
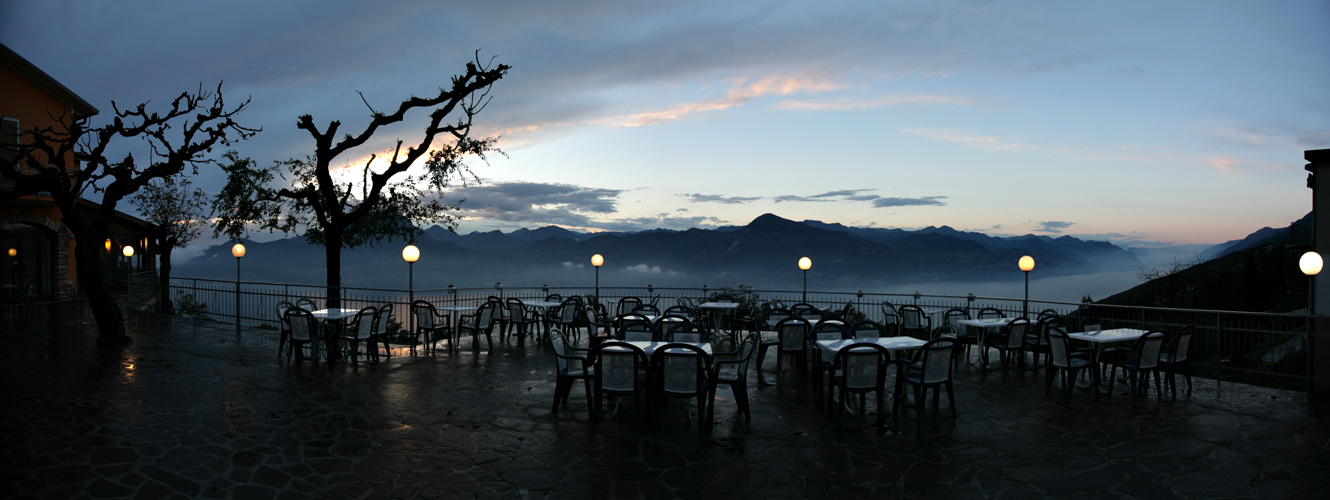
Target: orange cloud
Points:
(874, 103)
(741, 93)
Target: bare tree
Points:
(48, 159)
(178, 211)
(349, 211)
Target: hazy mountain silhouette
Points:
(764, 252)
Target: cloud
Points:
(570, 265)
(1053, 226)
(739, 94)
(644, 269)
(715, 198)
(986, 142)
(530, 202)
(894, 100)
(909, 202)
(830, 196)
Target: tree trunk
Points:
(110, 321)
(164, 285)
(332, 245)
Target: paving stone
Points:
(209, 414)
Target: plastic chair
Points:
(1177, 355)
(571, 364)
(1010, 343)
(734, 374)
(617, 371)
(934, 362)
(480, 323)
(1139, 363)
(685, 331)
(362, 332)
(684, 370)
(304, 331)
(628, 304)
(520, 318)
(914, 322)
(285, 328)
(431, 325)
(637, 331)
(792, 340)
(860, 369)
(1060, 360)
(868, 330)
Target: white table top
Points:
(650, 347)
(1108, 336)
(719, 305)
(332, 314)
(985, 323)
(829, 348)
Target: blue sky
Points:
(1135, 122)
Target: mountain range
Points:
(762, 253)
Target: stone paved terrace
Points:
(190, 410)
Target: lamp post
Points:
(238, 251)
(128, 252)
(411, 254)
(1311, 264)
(805, 263)
(1026, 264)
(597, 261)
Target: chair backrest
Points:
(724, 298)
(553, 297)
(628, 304)
(829, 330)
(364, 321)
(774, 315)
(382, 319)
(485, 314)
(568, 311)
(500, 311)
(664, 323)
(637, 331)
(683, 368)
(560, 346)
(945, 331)
(792, 334)
(1047, 313)
(954, 314)
(868, 330)
(889, 314)
(936, 360)
(303, 325)
(516, 310)
(424, 312)
(1147, 348)
(647, 309)
(307, 304)
(593, 318)
(623, 319)
(1016, 330)
(617, 365)
(686, 302)
(990, 313)
(806, 311)
(282, 306)
(685, 332)
(1091, 324)
(1057, 347)
(1179, 345)
(679, 311)
(912, 317)
(863, 366)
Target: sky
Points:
(1141, 123)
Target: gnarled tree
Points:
(48, 159)
(178, 212)
(345, 211)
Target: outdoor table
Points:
(332, 317)
(1098, 339)
(545, 305)
(829, 348)
(984, 325)
(722, 308)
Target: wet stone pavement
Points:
(192, 409)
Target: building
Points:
(35, 248)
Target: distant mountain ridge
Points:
(762, 252)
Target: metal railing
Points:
(1257, 348)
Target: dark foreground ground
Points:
(193, 410)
